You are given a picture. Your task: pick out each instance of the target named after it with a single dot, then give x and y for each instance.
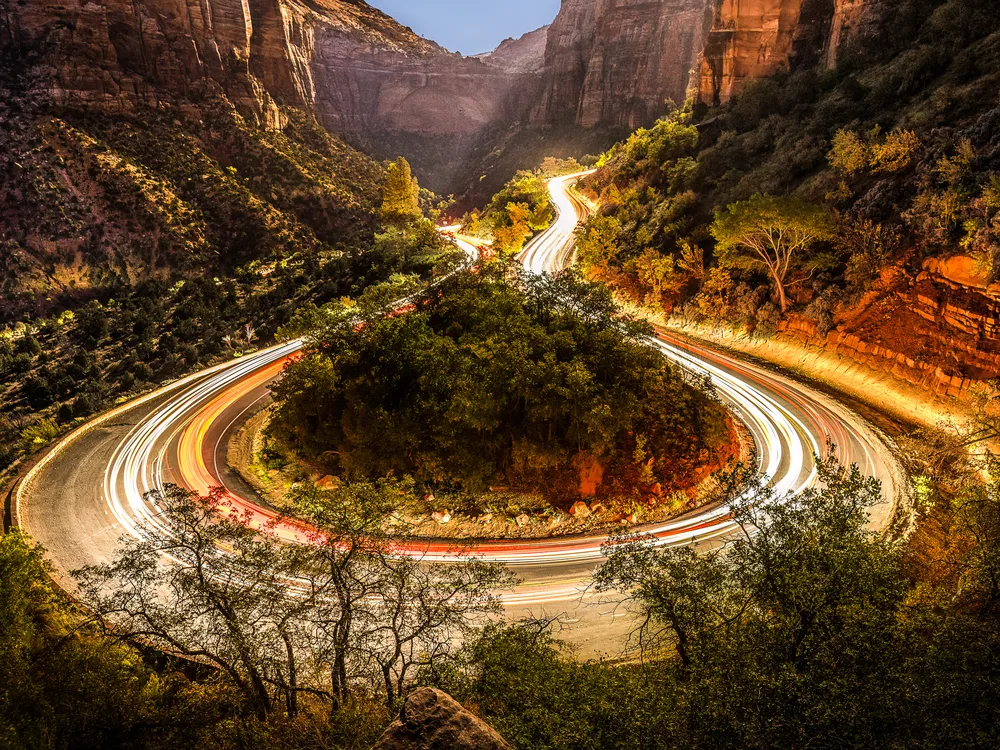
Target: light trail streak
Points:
(789, 424)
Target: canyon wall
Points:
(615, 64)
(603, 64)
(365, 76)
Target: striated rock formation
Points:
(601, 65)
(846, 16)
(364, 75)
(749, 39)
(757, 38)
(938, 330)
(615, 64)
(432, 720)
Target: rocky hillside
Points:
(119, 55)
(367, 78)
(525, 53)
(896, 146)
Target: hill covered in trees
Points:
(497, 378)
(883, 162)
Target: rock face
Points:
(603, 64)
(846, 16)
(938, 330)
(615, 64)
(756, 38)
(365, 76)
(432, 720)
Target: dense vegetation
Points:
(808, 634)
(136, 248)
(522, 207)
(895, 151)
(513, 215)
(252, 666)
(496, 378)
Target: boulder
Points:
(580, 510)
(328, 482)
(442, 516)
(433, 720)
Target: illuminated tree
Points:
(401, 194)
(771, 234)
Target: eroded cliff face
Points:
(752, 39)
(615, 64)
(603, 65)
(365, 76)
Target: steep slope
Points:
(365, 76)
(617, 64)
(118, 55)
(899, 144)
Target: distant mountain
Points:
(526, 53)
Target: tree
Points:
(401, 194)
(788, 633)
(598, 242)
(339, 610)
(489, 382)
(230, 609)
(772, 234)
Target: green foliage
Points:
(802, 632)
(852, 154)
(898, 130)
(538, 696)
(401, 194)
(489, 381)
(772, 234)
(522, 208)
(65, 684)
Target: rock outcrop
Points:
(938, 331)
(616, 64)
(120, 54)
(756, 38)
(433, 720)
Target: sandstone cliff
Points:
(616, 64)
(601, 65)
(367, 77)
(118, 55)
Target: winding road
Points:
(90, 489)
